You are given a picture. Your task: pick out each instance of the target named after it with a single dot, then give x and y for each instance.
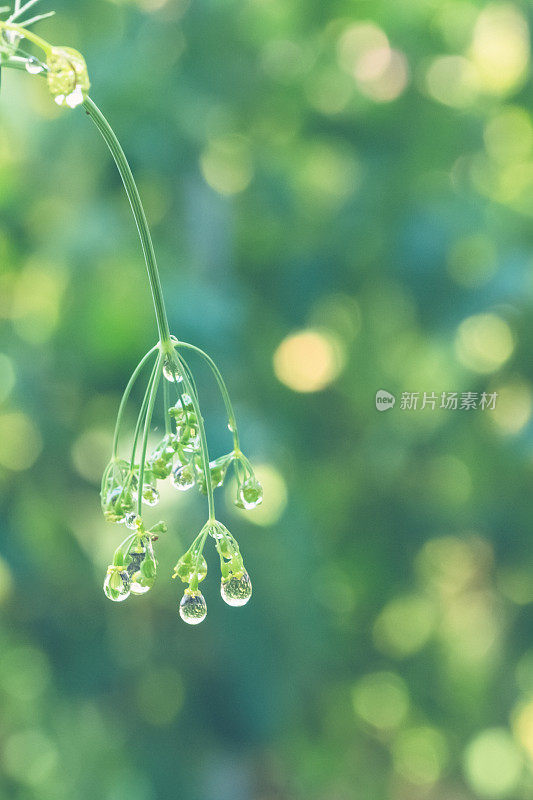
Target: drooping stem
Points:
(203, 438)
(223, 390)
(147, 421)
(138, 212)
(126, 395)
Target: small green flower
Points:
(68, 79)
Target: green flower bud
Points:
(68, 79)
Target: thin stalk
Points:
(126, 395)
(147, 421)
(203, 439)
(142, 411)
(138, 212)
(223, 390)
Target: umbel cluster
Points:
(130, 484)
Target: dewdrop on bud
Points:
(250, 494)
(133, 521)
(142, 568)
(150, 495)
(68, 80)
(171, 371)
(117, 584)
(183, 477)
(34, 66)
(193, 608)
(236, 591)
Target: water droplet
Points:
(117, 586)
(150, 495)
(142, 568)
(133, 521)
(171, 371)
(183, 477)
(250, 494)
(34, 66)
(193, 608)
(236, 591)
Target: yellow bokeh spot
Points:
(309, 360)
(452, 81)
(382, 74)
(509, 135)
(226, 165)
(274, 497)
(381, 700)
(355, 45)
(523, 727)
(90, 452)
(379, 72)
(36, 303)
(327, 174)
(493, 764)
(21, 441)
(484, 342)
(420, 755)
(513, 407)
(500, 48)
(404, 626)
(472, 260)
(29, 757)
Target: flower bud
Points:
(68, 79)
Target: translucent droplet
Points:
(150, 495)
(171, 371)
(251, 494)
(183, 477)
(236, 591)
(141, 569)
(117, 586)
(34, 66)
(193, 608)
(133, 521)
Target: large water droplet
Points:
(193, 608)
(183, 477)
(171, 371)
(150, 495)
(34, 66)
(251, 494)
(236, 591)
(117, 586)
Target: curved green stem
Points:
(142, 412)
(223, 390)
(203, 439)
(138, 212)
(125, 397)
(147, 421)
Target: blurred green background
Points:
(341, 198)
